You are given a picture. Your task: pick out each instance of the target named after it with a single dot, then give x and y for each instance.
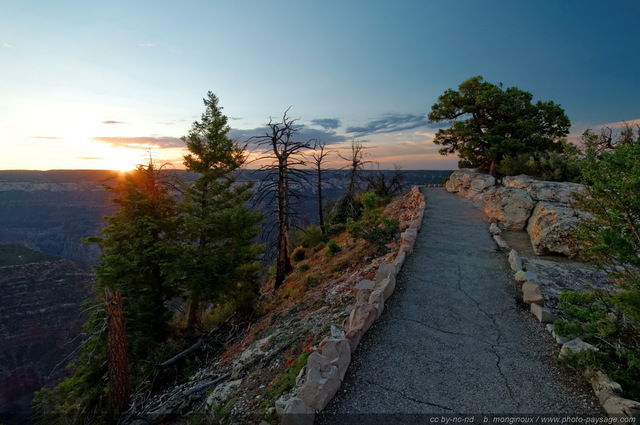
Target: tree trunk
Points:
(193, 320)
(492, 167)
(118, 362)
(283, 262)
(320, 212)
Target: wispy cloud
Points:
(621, 124)
(112, 122)
(91, 158)
(390, 123)
(304, 134)
(48, 137)
(146, 45)
(327, 123)
(8, 46)
(142, 142)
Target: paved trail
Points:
(453, 338)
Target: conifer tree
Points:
(138, 248)
(218, 255)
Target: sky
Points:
(103, 85)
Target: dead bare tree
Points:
(356, 164)
(286, 156)
(318, 157)
(384, 184)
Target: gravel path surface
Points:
(454, 339)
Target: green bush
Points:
(311, 280)
(596, 318)
(298, 254)
(551, 166)
(334, 248)
(373, 227)
(345, 208)
(309, 237)
(608, 236)
(304, 267)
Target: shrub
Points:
(373, 227)
(311, 281)
(298, 254)
(342, 210)
(551, 166)
(609, 237)
(309, 237)
(304, 267)
(595, 317)
(334, 248)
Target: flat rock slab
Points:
(453, 338)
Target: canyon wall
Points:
(39, 320)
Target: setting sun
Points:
(123, 159)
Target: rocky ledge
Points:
(520, 202)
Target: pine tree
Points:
(137, 261)
(218, 254)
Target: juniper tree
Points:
(489, 123)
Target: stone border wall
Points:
(327, 366)
(609, 392)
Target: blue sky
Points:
(95, 84)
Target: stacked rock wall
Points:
(541, 208)
(327, 366)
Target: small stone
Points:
(336, 332)
(531, 293)
(365, 284)
(364, 289)
(604, 387)
(362, 316)
(338, 351)
(384, 271)
(622, 407)
(559, 339)
(354, 336)
(296, 412)
(542, 314)
(406, 248)
(521, 276)
(222, 392)
(387, 286)
(575, 346)
(377, 300)
(321, 383)
(494, 229)
(399, 261)
(515, 261)
(411, 233)
(501, 242)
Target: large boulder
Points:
(469, 183)
(509, 206)
(541, 190)
(551, 228)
